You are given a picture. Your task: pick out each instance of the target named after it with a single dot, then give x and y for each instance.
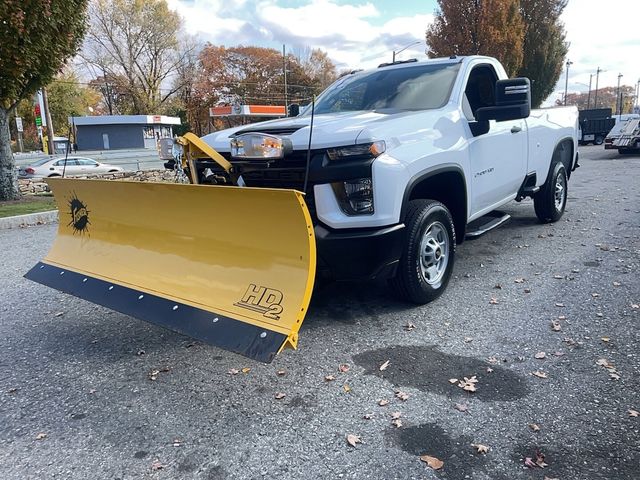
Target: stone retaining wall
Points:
(32, 186)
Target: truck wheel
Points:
(550, 201)
(599, 139)
(429, 251)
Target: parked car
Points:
(54, 167)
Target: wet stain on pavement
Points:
(140, 454)
(591, 264)
(429, 370)
(581, 462)
(460, 461)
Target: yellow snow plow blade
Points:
(230, 266)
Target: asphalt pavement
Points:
(545, 317)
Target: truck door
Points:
(498, 158)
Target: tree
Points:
(478, 27)
(544, 46)
(138, 41)
(606, 99)
(36, 38)
(67, 98)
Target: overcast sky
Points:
(362, 34)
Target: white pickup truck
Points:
(408, 159)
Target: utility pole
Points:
(595, 103)
(638, 93)
(589, 96)
(47, 115)
(618, 105)
(566, 82)
(284, 69)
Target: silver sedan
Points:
(55, 167)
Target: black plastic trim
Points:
(212, 328)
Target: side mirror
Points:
(513, 101)
(294, 110)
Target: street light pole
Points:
(595, 102)
(618, 105)
(284, 69)
(589, 96)
(404, 48)
(566, 82)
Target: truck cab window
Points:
(481, 87)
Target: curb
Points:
(20, 221)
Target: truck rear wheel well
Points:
(564, 153)
(448, 188)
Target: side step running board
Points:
(488, 222)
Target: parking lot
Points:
(545, 317)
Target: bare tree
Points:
(136, 40)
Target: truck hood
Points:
(329, 129)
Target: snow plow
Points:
(233, 267)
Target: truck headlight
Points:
(364, 150)
(355, 197)
(259, 146)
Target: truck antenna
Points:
(306, 173)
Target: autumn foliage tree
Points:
(527, 36)
(544, 47)
(478, 27)
(36, 37)
(606, 99)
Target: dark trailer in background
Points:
(595, 124)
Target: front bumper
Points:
(359, 254)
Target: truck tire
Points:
(599, 140)
(551, 200)
(428, 254)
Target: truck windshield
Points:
(419, 87)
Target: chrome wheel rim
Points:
(560, 191)
(434, 253)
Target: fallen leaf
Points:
(157, 465)
(396, 423)
(595, 295)
(368, 416)
(559, 304)
(346, 388)
(528, 462)
(59, 314)
(383, 402)
(489, 370)
(280, 395)
(540, 355)
(41, 436)
(344, 368)
(603, 362)
(527, 290)
(281, 373)
(384, 365)
(540, 460)
(558, 277)
(140, 353)
(396, 415)
(549, 478)
(453, 380)
(468, 384)
(245, 370)
(493, 301)
(468, 339)
(555, 326)
(562, 317)
(92, 391)
(539, 374)
(519, 280)
(614, 375)
(633, 413)
(433, 462)
(177, 442)
(605, 339)
(461, 407)
(480, 448)
(534, 427)
(635, 306)
(409, 326)
(402, 395)
(233, 371)
(616, 284)
(599, 314)
(498, 286)
(12, 390)
(353, 440)
(329, 378)
(493, 360)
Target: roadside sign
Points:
(19, 124)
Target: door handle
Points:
(515, 129)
